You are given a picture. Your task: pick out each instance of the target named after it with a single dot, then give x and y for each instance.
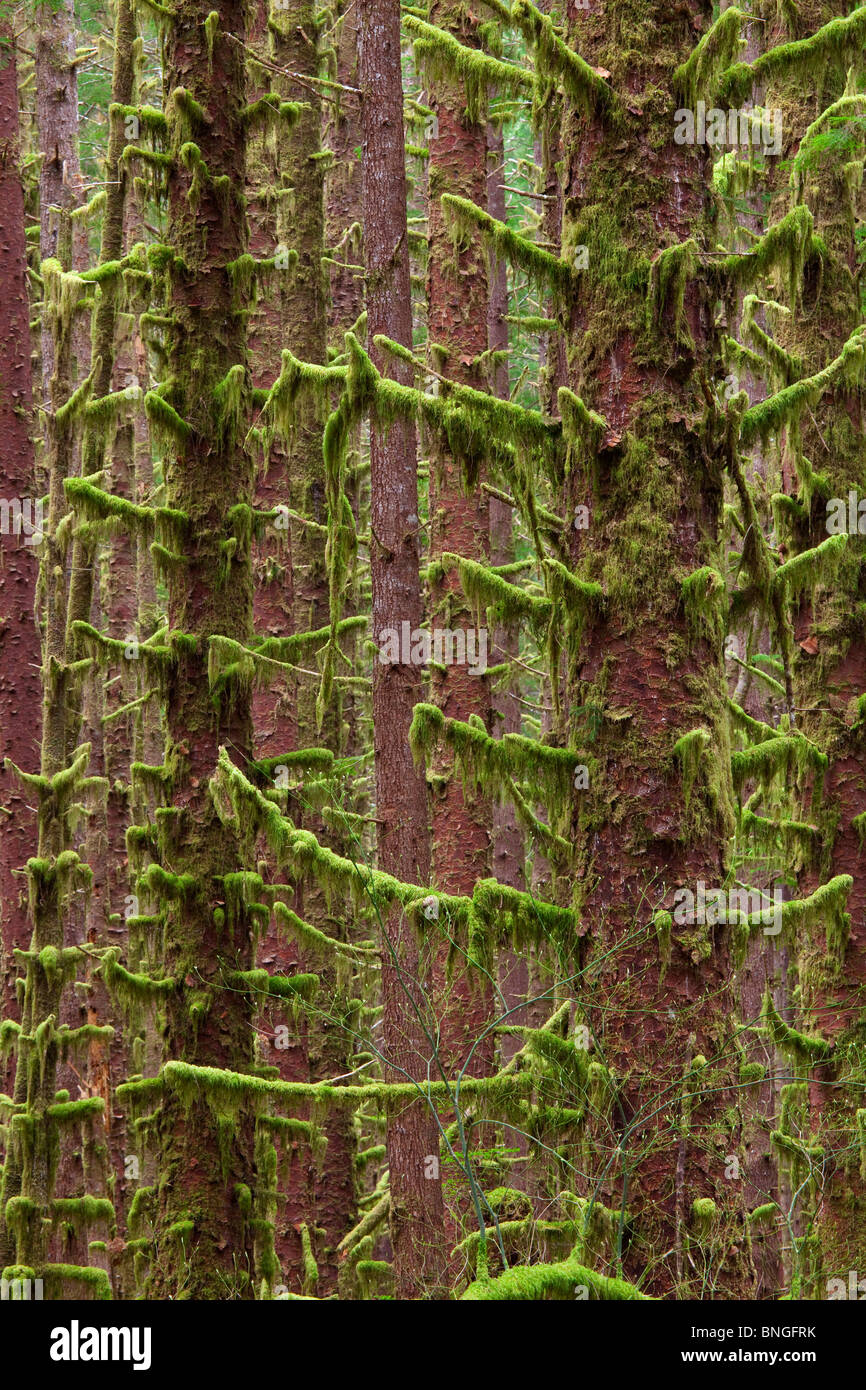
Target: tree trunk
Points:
(20, 662)
(401, 800)
(203, 1239)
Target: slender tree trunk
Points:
(287, 718)
(57, 124)
(457, 308)
(401, 801)
(20, 688)
(344, 180)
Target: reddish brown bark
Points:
(291, 597)
(20, 657)
(401, 803)
(457, 310)
(343, 182)
(639, 678)
(508, 851)
(57, 124)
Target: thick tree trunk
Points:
(657, 1001)
(829, 678)
(203, 1239)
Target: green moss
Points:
(83, 1211)
(799, 1045)
(669, 274)
(766, 1213)
(704, 1214)
(57, 1276)
(841, 41)
(713, 53)
(68, 1111)
(442, 56)
(786, 406)
(555, 59)
(551, 1281)
(310, 1267)
(169, 428)
(130, 987)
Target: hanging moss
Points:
(798, 1045)
(840, 42)
(69, 1111)
(510, 246)
(491, 901)
(705, 603)
(492, 762)
(825, 907)
(97, 505)
(57, 1276)
(784, 408)
(317, 945)
(787, 244)
(310, 1268)
(169, 428)
(509, 603)
(275, 986)
(811, 566)
(704, 1215)
(442, 57)
(715, 52)
(670, 272)
(82, 1212)
(777, 756)
(129, 987)
(556, 60)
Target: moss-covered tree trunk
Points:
(292, 598)
(112, 441)
(401, 800)
(57, 125)
(824, 449)
(508, 858)
(203, 1242)
(644, 686)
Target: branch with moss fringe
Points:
(779, 755)
(798, 1045)
(840, 42)
(96, 505)
(554, 59)
(510, 246)
(543, 1281)
(715, 52)
(788, 243)
(508, 602)
(223, 1089)
(493, 762)
(811, 566)
(492, 904)
(443, 56)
